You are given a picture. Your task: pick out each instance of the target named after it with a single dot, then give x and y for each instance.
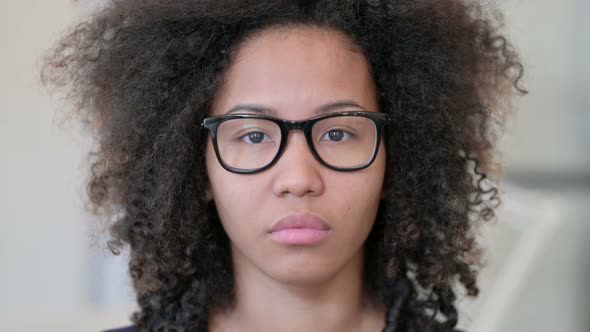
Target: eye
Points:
(255, 137)
(336, 135)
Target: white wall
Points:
(44, 243)
(38, 220)
(552, 127)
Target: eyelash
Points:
(246, 135)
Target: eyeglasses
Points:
(251, 143)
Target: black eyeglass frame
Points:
(212, 123)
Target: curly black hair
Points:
(142, 75)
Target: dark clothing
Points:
(123, 329)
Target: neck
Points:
(338, 303)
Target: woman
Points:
(292, 165)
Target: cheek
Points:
(359, 196)
(233, 208)
(364, 188)
(222, 195)
(234, 197)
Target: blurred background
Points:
(57, 275)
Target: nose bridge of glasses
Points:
(298, 125)
(301, 128)
(295, 125)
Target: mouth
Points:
(300, 229)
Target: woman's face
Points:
(294, 72)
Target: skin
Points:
(294, 71)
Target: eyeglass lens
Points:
(249, 143)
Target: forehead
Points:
(294, 69)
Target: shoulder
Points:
(123, 329)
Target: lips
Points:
(300, 220)
(300, 229)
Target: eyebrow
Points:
(260, 109)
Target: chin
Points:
(302, 274)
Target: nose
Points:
(297, 172)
